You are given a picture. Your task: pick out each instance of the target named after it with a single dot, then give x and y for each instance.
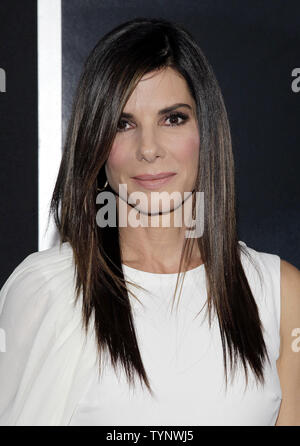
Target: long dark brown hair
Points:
(111, 72)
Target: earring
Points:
(103, 187)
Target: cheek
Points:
(118, 157)
(188, 149)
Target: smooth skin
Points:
(288, 363)
(149, 142)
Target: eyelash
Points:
(183, 116)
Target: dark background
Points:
(253, 47)
(18, 134)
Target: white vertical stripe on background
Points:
(49, 112)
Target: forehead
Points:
(158, 89)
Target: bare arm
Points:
(288, 363)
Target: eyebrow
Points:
(162, 111)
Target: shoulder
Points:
(290, 278)
(38, 274)
(288, 364)
(263, 272)
(254, 256)
(281, 281)
(41, 260)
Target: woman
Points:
(86, 318)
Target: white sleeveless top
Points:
(183, 360)
(49, 374)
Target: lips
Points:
(154, 177)
(153, 182)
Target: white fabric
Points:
(48, 374)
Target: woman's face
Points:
(151, 140)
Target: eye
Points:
(175, 116)
(120, 127)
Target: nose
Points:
(149, 147)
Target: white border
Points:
(49, 113)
